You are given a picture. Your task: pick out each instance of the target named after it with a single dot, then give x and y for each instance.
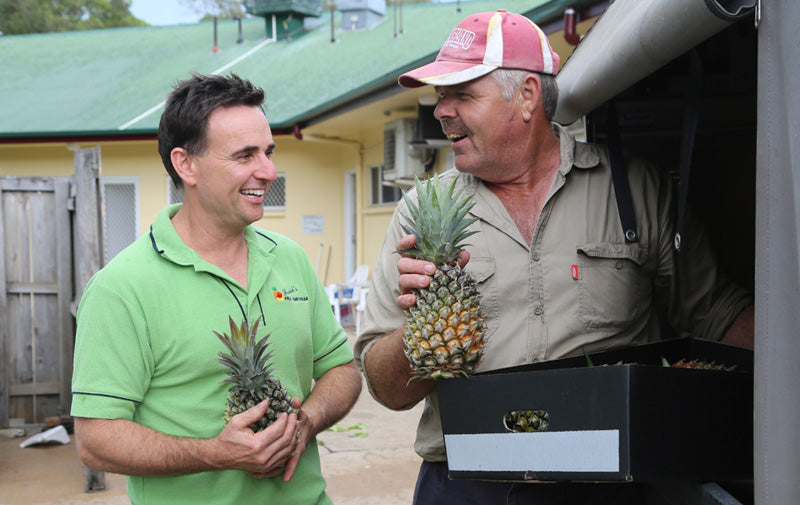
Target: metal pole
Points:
(215, 35)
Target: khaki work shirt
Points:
(578, 286)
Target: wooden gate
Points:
(43, 269)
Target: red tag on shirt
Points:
(575, 272)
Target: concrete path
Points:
(372, 460)
(367, 459)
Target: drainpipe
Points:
(216, 48)
(333, 23)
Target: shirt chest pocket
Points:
(483, 269)
(614, 287)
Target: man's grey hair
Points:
(510, 79)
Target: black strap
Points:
(691, 113)
(622, 189)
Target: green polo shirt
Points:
(145, 351)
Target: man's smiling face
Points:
(235, 170)
(480, 125)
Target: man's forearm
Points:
(125, 447)
(333, 395)
(389, 373)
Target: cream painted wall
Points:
(46, 160)
(314, 185)
(376, 218)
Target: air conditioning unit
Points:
(401, 160)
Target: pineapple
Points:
(444, 330)
(251, 376)
(524, 421)
(699, 365)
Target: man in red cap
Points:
(557, 276)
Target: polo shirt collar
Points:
(168, 244)
(574, 154)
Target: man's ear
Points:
(530, 95)
(184, 165)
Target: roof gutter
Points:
(39, 138)
(84, 137)
(632, 39)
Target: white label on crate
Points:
(552, 451)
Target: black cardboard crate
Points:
(627, 422)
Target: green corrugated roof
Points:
(97, 82)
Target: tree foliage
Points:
(42, 16)
(222, 9)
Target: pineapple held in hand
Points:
(250, 375)
(444, 330)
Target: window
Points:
(276, 196)
(121, 214)
(382, 194)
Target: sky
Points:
(163, 12)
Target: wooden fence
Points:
(50, 247)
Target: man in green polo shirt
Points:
(147, 396)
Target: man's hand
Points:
(306, 431)
(302, 435)
(333, 395)
(263, 454)
(414, 273)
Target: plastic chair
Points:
(348, 293)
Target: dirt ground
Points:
(367, 459)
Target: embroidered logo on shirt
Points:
(288, 295)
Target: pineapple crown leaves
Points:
(247, 363)
(438, 221)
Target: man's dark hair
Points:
(191, 102)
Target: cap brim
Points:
(443, 73)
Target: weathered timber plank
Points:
(5, 376)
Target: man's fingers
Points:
(250, 415)
(415, 266)
(463, 258)
(406, 301)
(281, 442)
(291, 466)
(275, 431)
(406, 242)
(264, 475)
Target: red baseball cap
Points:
(485, 42)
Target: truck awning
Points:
(632, 39)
